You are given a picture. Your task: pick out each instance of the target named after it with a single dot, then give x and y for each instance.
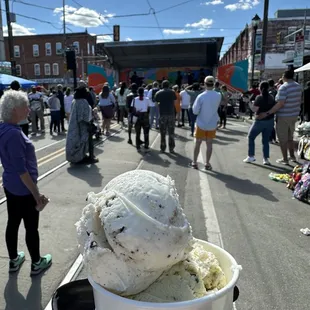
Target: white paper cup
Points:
(221, 300)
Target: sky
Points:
(160, 19)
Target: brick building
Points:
(41, 57)
(277, 55)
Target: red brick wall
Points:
(27, 60)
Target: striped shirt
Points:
(290, 93)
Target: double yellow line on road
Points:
(50, 157)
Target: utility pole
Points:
(64, 39)
(264, 37)
(2, 46)
(10, 37)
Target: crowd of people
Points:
(158, 106)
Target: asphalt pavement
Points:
(258, 220)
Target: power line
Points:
(174, 6)
(156, 19)
(36, 19)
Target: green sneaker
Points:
(44, 263)
(16, 263)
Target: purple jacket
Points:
(17, 155)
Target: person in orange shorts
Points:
(206, 108)
(177, 105)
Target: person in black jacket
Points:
(129, 98)
(61, 97)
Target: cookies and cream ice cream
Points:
(133, 231)
(198, 275)
(137, 242)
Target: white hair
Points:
(10, 100)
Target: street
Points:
(255, 219)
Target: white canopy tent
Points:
(303, 68)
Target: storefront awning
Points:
(200, 52)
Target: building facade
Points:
(41, 57)
(278, 48)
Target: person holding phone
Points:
(20, 176)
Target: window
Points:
(47, 69)
(55, 69)
(37, 70)
(307, 34)
(77, 46)
(59, 48)
(291, 30)
(88, 48)
(48, 49)
(93, 49)
(16, 51)
(18, 70)
(35, 50)
(289, 54)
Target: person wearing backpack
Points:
(154, 109)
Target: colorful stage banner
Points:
(98, 75)
(235, 75)
(150, 75)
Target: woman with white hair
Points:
(20, 175)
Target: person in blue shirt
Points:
(20, 176)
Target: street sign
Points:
(299, 49)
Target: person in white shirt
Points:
(121, 95)
(185, 104)
(154, 109)
(206, 108)
(36, 104)
(68, 102)
(54, 105)
(141, 107)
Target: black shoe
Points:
(129, 141)
(172, 152)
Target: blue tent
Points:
(6, 80)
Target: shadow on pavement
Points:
(179, 159)
(216, 141)
(37, 137)
(16, 301)
(153, 157)
(116, 139)
(88, 173)
(277, 169)
(182, 138)
(235, 132)
(228, 139)
(246, 187)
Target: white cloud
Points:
(19, 30)
(203, 24)
(175, 31)
(101, 39)
(83, 17)
(214, 2)
(242, 5)
(222, 30)
(128, 39)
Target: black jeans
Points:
(223, 115)
(55, 121)
(183, 116)
(142, 123)
(22, 208)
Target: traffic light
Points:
(71, 60)
(116, 33)
(279, 38)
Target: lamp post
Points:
(255, 23)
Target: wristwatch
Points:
(267, 113)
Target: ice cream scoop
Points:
(195, 277)
(133, 231)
